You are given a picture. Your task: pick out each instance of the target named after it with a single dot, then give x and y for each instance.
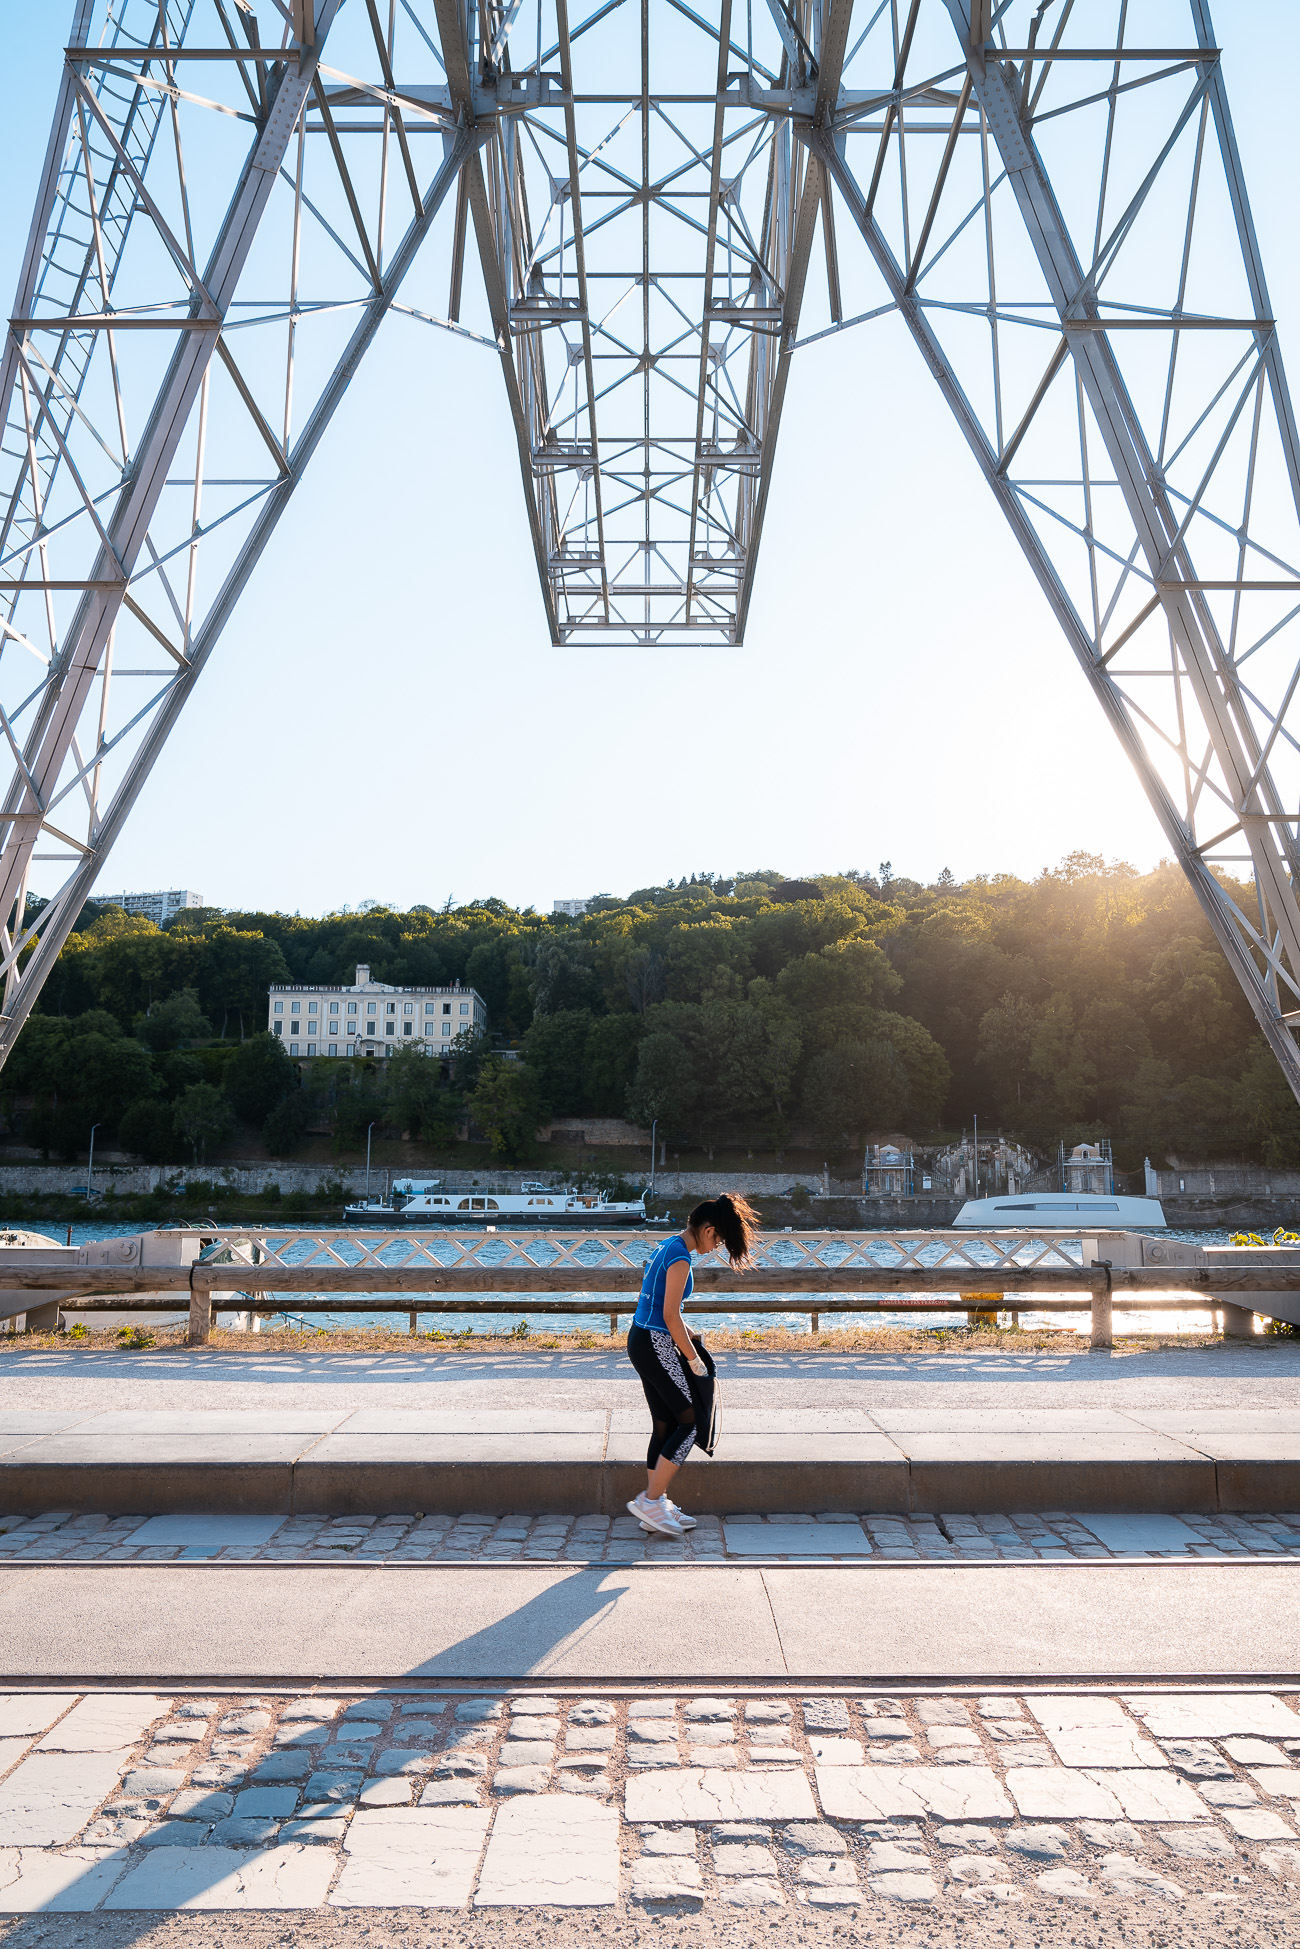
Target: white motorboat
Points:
(1060, 1211)
(425, 1203)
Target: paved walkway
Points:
(1263, 1372)
(868, 1623)
(1054, 1536)
(1061, 1803)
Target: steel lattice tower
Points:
(657, 203)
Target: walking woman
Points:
(662, 1350)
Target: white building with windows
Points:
(157, 907)
(372, 1018)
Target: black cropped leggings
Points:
(667, 1391)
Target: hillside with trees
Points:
(758, 1011)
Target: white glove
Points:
(698, 1367)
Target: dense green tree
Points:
(506, 1107)
(173, 1023)
(148, 1129)
(286, 1126)
(555, 1049)
(258, 1076)
(853, 1088)
(665, 1086)
(202, 1119)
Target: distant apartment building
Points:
(571, 907)
(372, 1018)
(157, 907)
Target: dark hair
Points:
(733, 1219)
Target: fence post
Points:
(1103, 1331)
(200, 1313)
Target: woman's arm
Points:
(674, 1287)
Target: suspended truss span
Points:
(639, 215)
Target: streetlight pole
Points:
(653, 1128)
(369, 1128)
(90, 1167)
(977, 1156)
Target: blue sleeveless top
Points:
(650, 1307)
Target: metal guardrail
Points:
(351, 1272)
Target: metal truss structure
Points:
(1045, 194)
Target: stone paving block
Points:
(1000, 1708)
(669, 1840)
(321, 1833)
(827, 1871)
(1278, 1782)
(1198, 1843)
(283, 1766)
(33, 1880)
(946, 1738)
(153, 1780)
(333, 1786)
(825, 1715)
(406, 1763)
(743, 1858)
(1127, 1876)
(1283, 1862)
(1196, 1757)
(525, 1752)
(521, 1779)
(1228, 1793)
(590, 1739)
(1258, 1824)
(248, 1831)
(386, 1793)
(1152, 1796)
(744, 1830)
(24, 1714)
(103, 1723)
(758, 1893)
(708, 1794)
(966, 1837)
(1057, 1793)
(1077, 1712)
(450, 1793)
(669, 1878)
(591, 1712)
(411, 1857)
(827, 1751)
(1253, 1752)
(477, 1712)
(710, 1711)
(1110, 1834)
(1069, 1884)
(1039, 1843)
(762, 1712)
(776, 1756)
(1106, 1746)
(1217, 1716)
(289, 1877)
(266, 1802)
(887, 1857)
(885, 1793)
(121, 1833)
(551, 1849)
(942, 1712)
(905, 1887)
(177, 1833)
(813, 1837)
(49, 1797)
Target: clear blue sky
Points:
(385, 717)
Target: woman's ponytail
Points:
(733, 1219)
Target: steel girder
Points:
(1048, 196)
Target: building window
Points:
(464, 1008)
(407, 1028)
(311, 1048)
(334, 1008)
(446, 1028)
(278, 1027)
(391, 1009)
(390, 1028)
(352, 1048)
(334, 1048)
(295, 1026)
(279, 1008)
(408, 1008)
(352, 1008)
(293, 1048)
(446, 1008)
(313, 1008)
(371, 1008)
(430, 1008)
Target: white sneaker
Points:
(679, 1516)
(657, 1516)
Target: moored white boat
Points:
(414, 1203)
(1060, 1211)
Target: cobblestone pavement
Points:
(1050, 1536)
(1076, 1800)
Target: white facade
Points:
(372, 1018)
(571, 907)
(157, 907)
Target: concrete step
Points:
(902, 1461)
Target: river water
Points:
(300, 1310)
